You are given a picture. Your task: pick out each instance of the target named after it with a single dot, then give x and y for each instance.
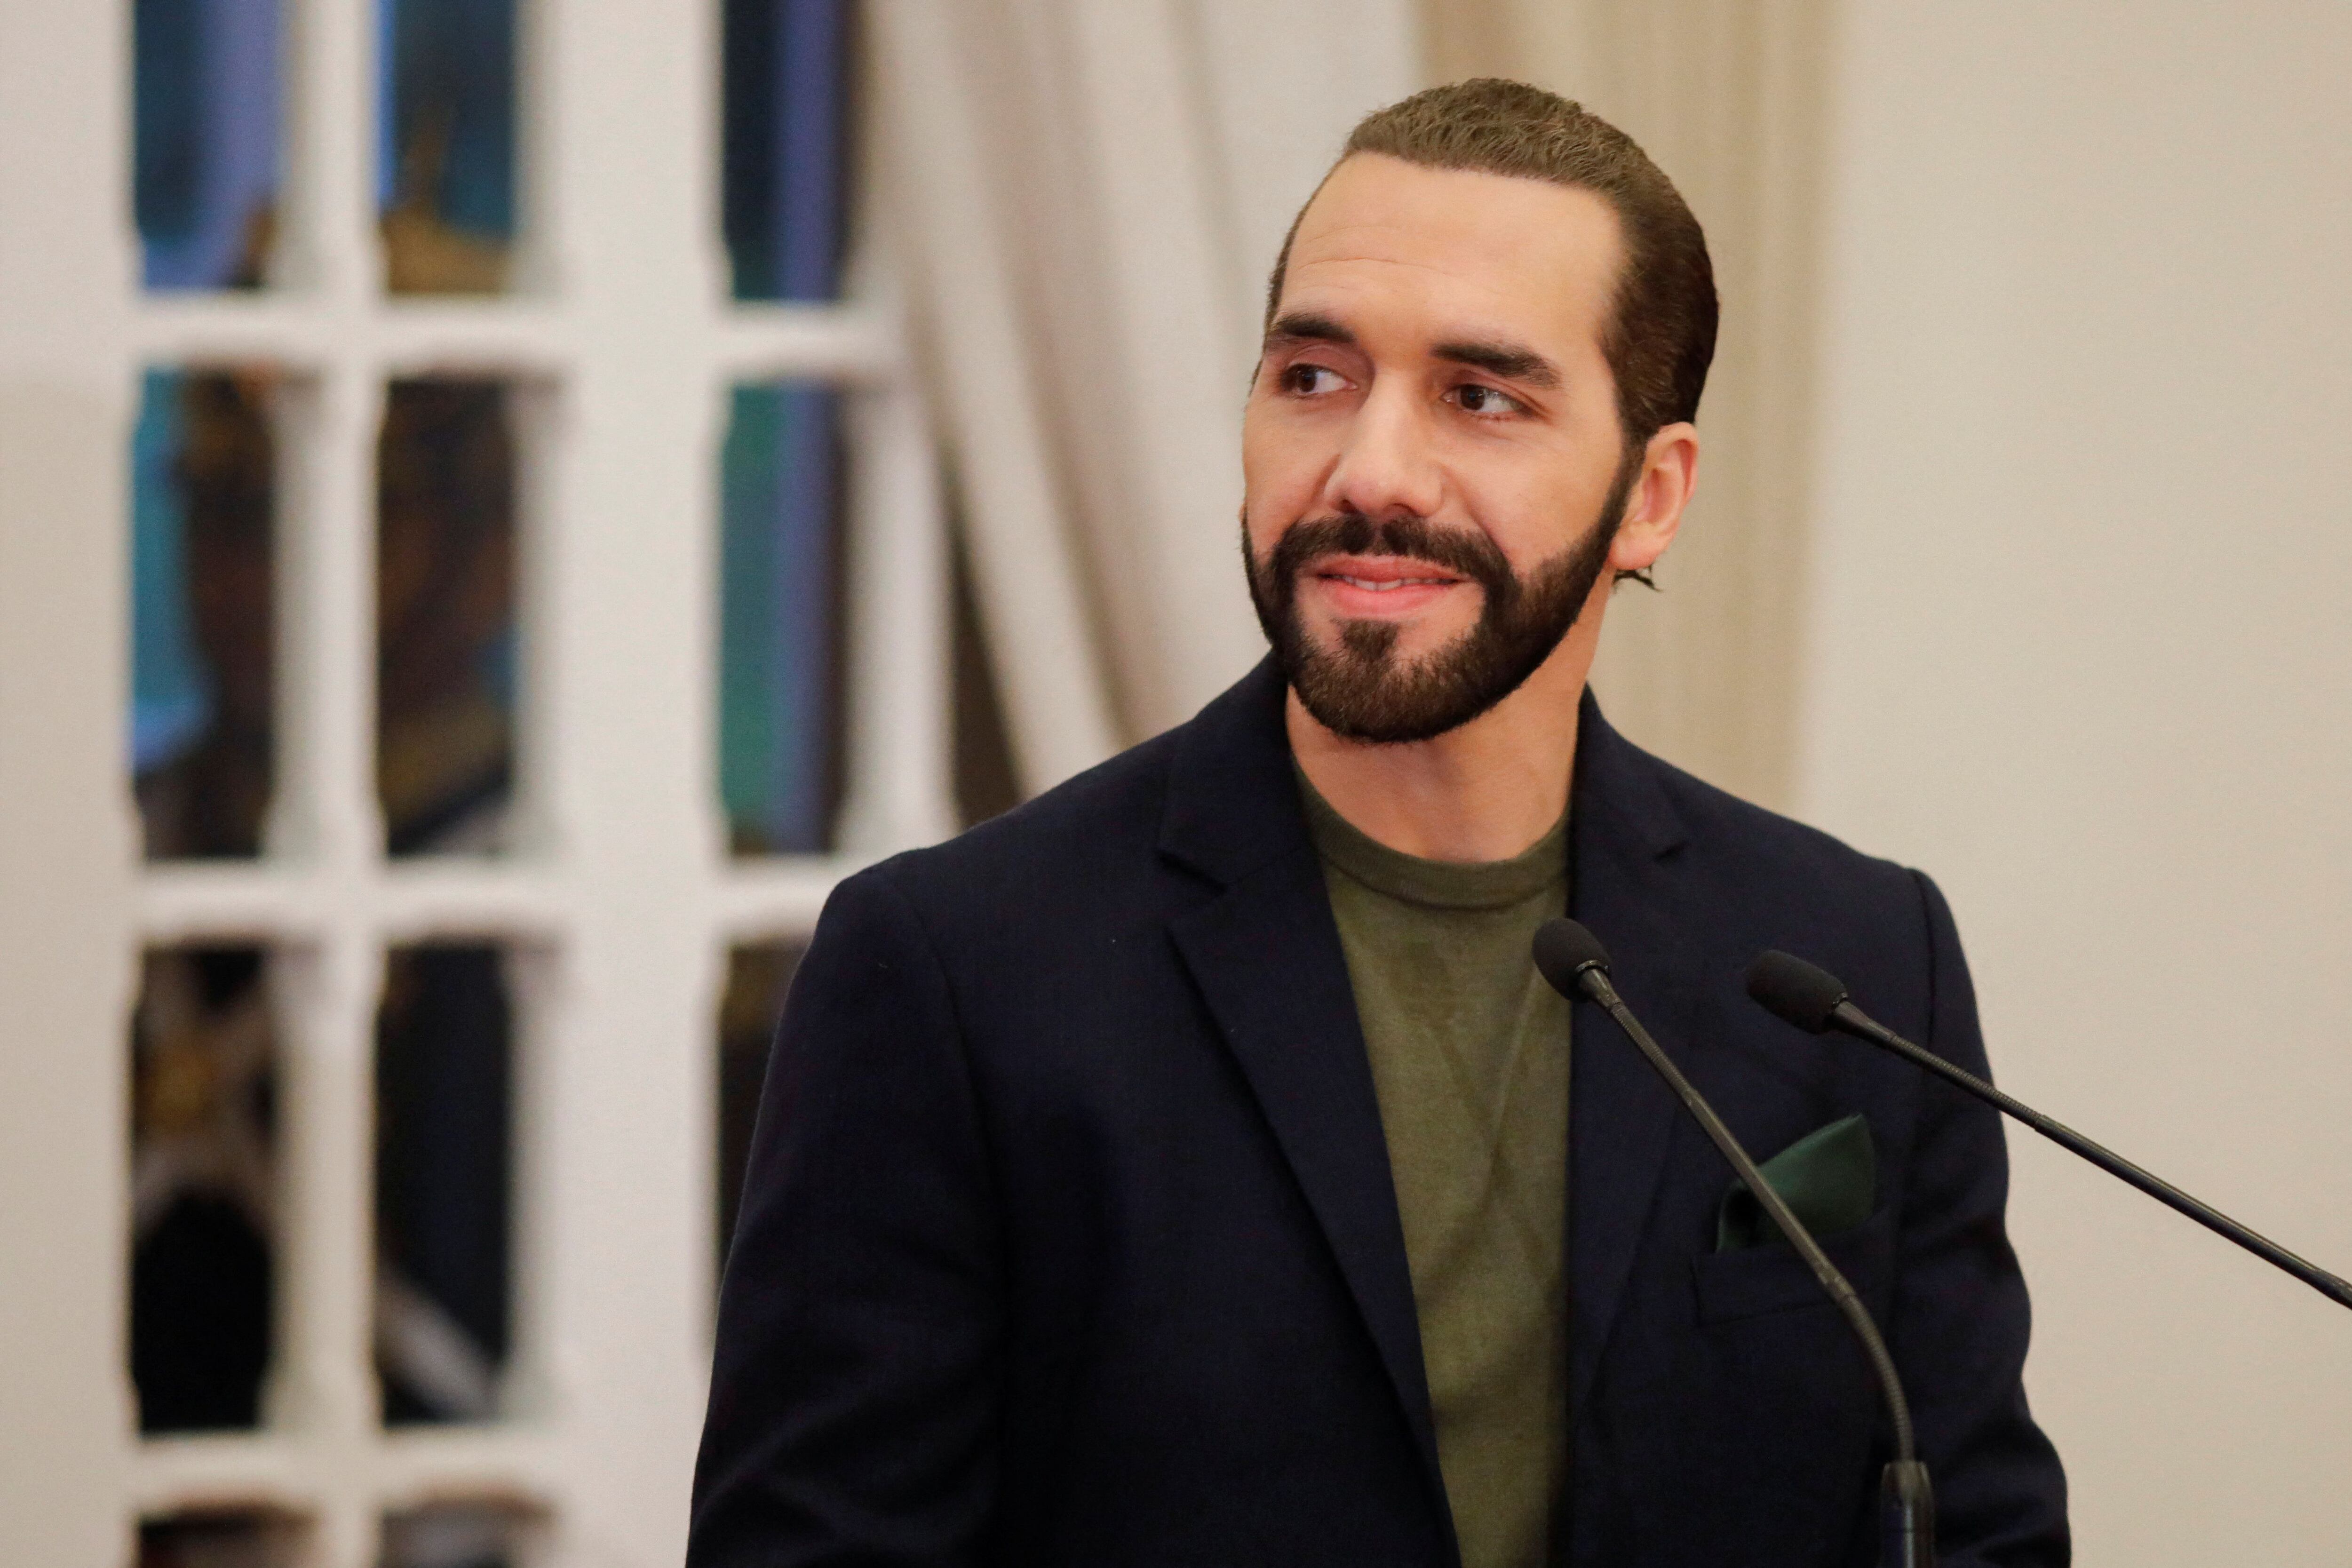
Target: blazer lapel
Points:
(1624, 839)
(1267, 957)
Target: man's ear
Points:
(1654, 509)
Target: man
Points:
(1190, 1167)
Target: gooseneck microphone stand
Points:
(1816, 1001)
(1575, 963)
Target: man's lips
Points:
(1381, 584)
(1380, 572)
(1384, 585)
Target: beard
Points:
(1360, 688)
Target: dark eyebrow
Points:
(1523, 365)
(1308, 326)
(1504, 360)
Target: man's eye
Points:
(1476, 398)
(1311, 380)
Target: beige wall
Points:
(2079, 646)
(65, 831)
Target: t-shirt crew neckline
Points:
(1437, 884)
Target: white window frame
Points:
(620, 900)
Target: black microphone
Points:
(1575, 963)
(1815, 1001)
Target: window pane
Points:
(780, 618)
(758, 975)
(203, 1184)
(487, 1534)
(204, 589)
(445, 144)
(224, 1538)
(785, 147)
(444, 1083)
(205, 140)
(445, 635)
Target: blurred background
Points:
(502, 502)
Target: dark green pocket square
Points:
(1829, 1179)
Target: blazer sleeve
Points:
(1960, 1314)
(855, 1384)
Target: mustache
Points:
(1466, 551)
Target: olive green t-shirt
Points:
(1469, 1057)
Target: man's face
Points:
(1432, 457)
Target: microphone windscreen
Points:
(1802, 993)
(1564, 949)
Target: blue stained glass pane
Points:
(167, 63)
(171, 700)
(206, 129)
(203, 505)
(446, 141)
(778, 688)
(785, 145)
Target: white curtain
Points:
(1092, 192)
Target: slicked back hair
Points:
(1660, 338)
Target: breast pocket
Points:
(1756, 1281)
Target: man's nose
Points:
(1388, 462)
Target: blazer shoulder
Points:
(1093, 830)
(1756, 880)
(1764, 849)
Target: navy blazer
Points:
(1068, 1234)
